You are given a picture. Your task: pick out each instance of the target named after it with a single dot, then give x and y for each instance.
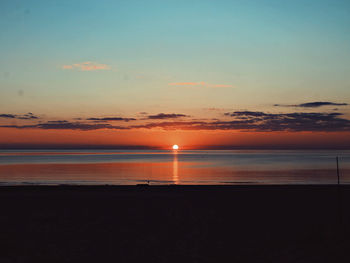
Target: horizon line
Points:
(144, 147)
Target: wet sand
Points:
(175, 224)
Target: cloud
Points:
(66, 125)
(202, 83)
(171, 125)
(303, 121)
(313, 104)
(111, 119)
(58, 122)
(162, 116)
(87, 66)
(246, 113)
(262, 122)
(213, 109)
(28, 116)
(256, 121)
(7, 116)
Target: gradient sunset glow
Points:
(152, 74)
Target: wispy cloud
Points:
(315, 104)
(111, 119)
(66, 125)
(162, 116)
(201, 83)
(7, 116)
(214, 109)
(87, 66)
(28, 116)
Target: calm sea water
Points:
(18, 167)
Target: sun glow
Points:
(175, 147)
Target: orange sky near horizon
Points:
(162, 139)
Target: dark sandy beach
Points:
(175, 224)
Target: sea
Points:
(168, 167)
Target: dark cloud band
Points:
(316, 104)
(162, 116)
(241, 120)
(28, 116)
(111, 119)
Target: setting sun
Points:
(175, 147)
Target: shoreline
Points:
(184, 186)
(150, 185)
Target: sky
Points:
(201, 74)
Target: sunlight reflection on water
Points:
(172, 167)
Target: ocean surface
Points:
(161, 167)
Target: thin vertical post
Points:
(340, 203)
(338, 170)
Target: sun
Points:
(175, 147)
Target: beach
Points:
(242, 223)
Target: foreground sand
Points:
(175, 224)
